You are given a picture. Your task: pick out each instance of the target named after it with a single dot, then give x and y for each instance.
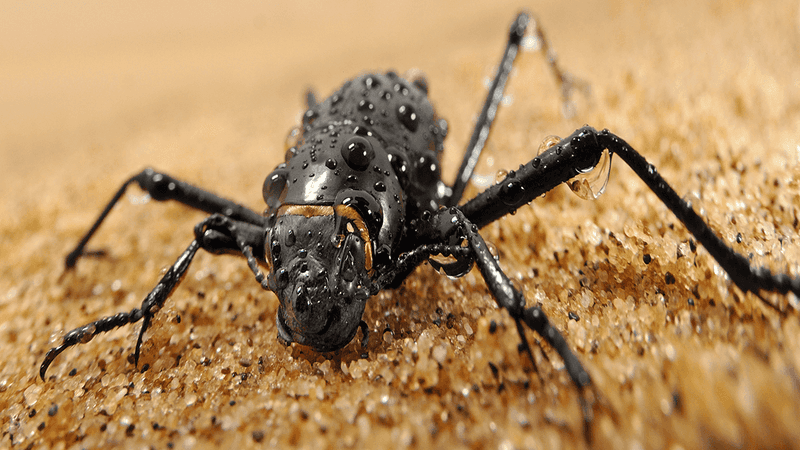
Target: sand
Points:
(680, 358)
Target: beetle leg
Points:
(493, 98)
(163, 187)
(513, 301)
(407, 262)
(216, 234)
(364, 334)
(579, 153)
(152, 303)
(483, 126)
(221, 234)
(566, 81)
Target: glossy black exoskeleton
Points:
(367, 159)
(359, 203)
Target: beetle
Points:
(359, 203)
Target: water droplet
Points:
(282, 278)
(531, 43)
(348, 270)
(371, 82)
(309, 117)
(427, 170)
(290, 238)
(365, 105)
(443, 126)
(400, 164)
(400, 88)
(301, 300)
(274, 189)
(408, 117)
(275, 249)
(493, 250)
(500, 176)
(592, 183)
(512, 192)
(330, 163)
(380, 187)
(548, 142)
(292, 139)
(357, 153)
(695, 201)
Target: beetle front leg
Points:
(216, 234)
(407, 262)
(508, 297)
(150, 305)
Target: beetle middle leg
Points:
(163, 187)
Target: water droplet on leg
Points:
(548, 142)
(500, 176)
(592, 183)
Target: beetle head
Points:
(321, 258)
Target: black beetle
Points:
(359, 203)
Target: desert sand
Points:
(680, 358)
